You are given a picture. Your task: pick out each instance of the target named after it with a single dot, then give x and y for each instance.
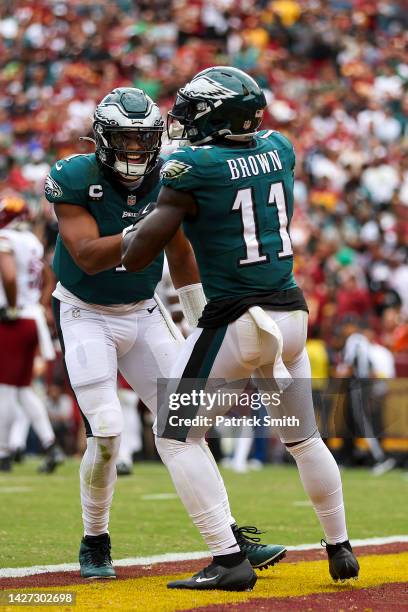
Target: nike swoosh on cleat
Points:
(206, 579)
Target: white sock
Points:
(243, 445)
(8, 413)
(97, 482)
(131, 436)
(321, 480)
(224, 494)
(37, 414)
(201, 490)
(19, 430)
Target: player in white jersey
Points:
(22, 328)
(27, 253)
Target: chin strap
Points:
(192, 301)
(240, 137)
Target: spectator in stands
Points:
(335, 76)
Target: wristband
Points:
(192, 301)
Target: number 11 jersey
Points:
(244, 196)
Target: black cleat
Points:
(19, 455)
(95, 557)
(123, 469)
(342, 562)
(259, 555)
(239, 578)
(53, 458)
(5, 464)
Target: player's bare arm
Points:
(141, 247)
(182, 262)
(80, 234)
(186, 277)
(48, 282)
(8, 275)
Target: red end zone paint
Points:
(383, 598)
(159, 569)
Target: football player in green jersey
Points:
(232, 189)
(108, 318)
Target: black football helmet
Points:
(128, 127)
(218, 102)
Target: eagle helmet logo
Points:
(221, 102)
(207, 88)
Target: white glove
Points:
(192, 300)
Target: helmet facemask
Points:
(131, 153)
(128, 128)
(184, 119)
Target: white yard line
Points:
(18, 572)
(367, 542)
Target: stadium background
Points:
(335, 74)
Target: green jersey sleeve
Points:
(68, 181)
(180, 171)
(288, 146)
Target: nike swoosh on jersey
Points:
(58, 166)
(206, 579)
(151, 309)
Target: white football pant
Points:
(234, 353)
(141, 345)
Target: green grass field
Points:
(40, 517)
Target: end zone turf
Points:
(300, 582)
(40, 524)
(41, 514)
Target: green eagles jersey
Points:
(79, 180)
(244, 197)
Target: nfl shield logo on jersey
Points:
(131, 200)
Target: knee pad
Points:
(298, 449)
(168, 449)
(102, 409)
(107, 421)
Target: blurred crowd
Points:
(335, 74)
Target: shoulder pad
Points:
(284, 140)
(275, 135)
(70, 178)
(76, 168)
